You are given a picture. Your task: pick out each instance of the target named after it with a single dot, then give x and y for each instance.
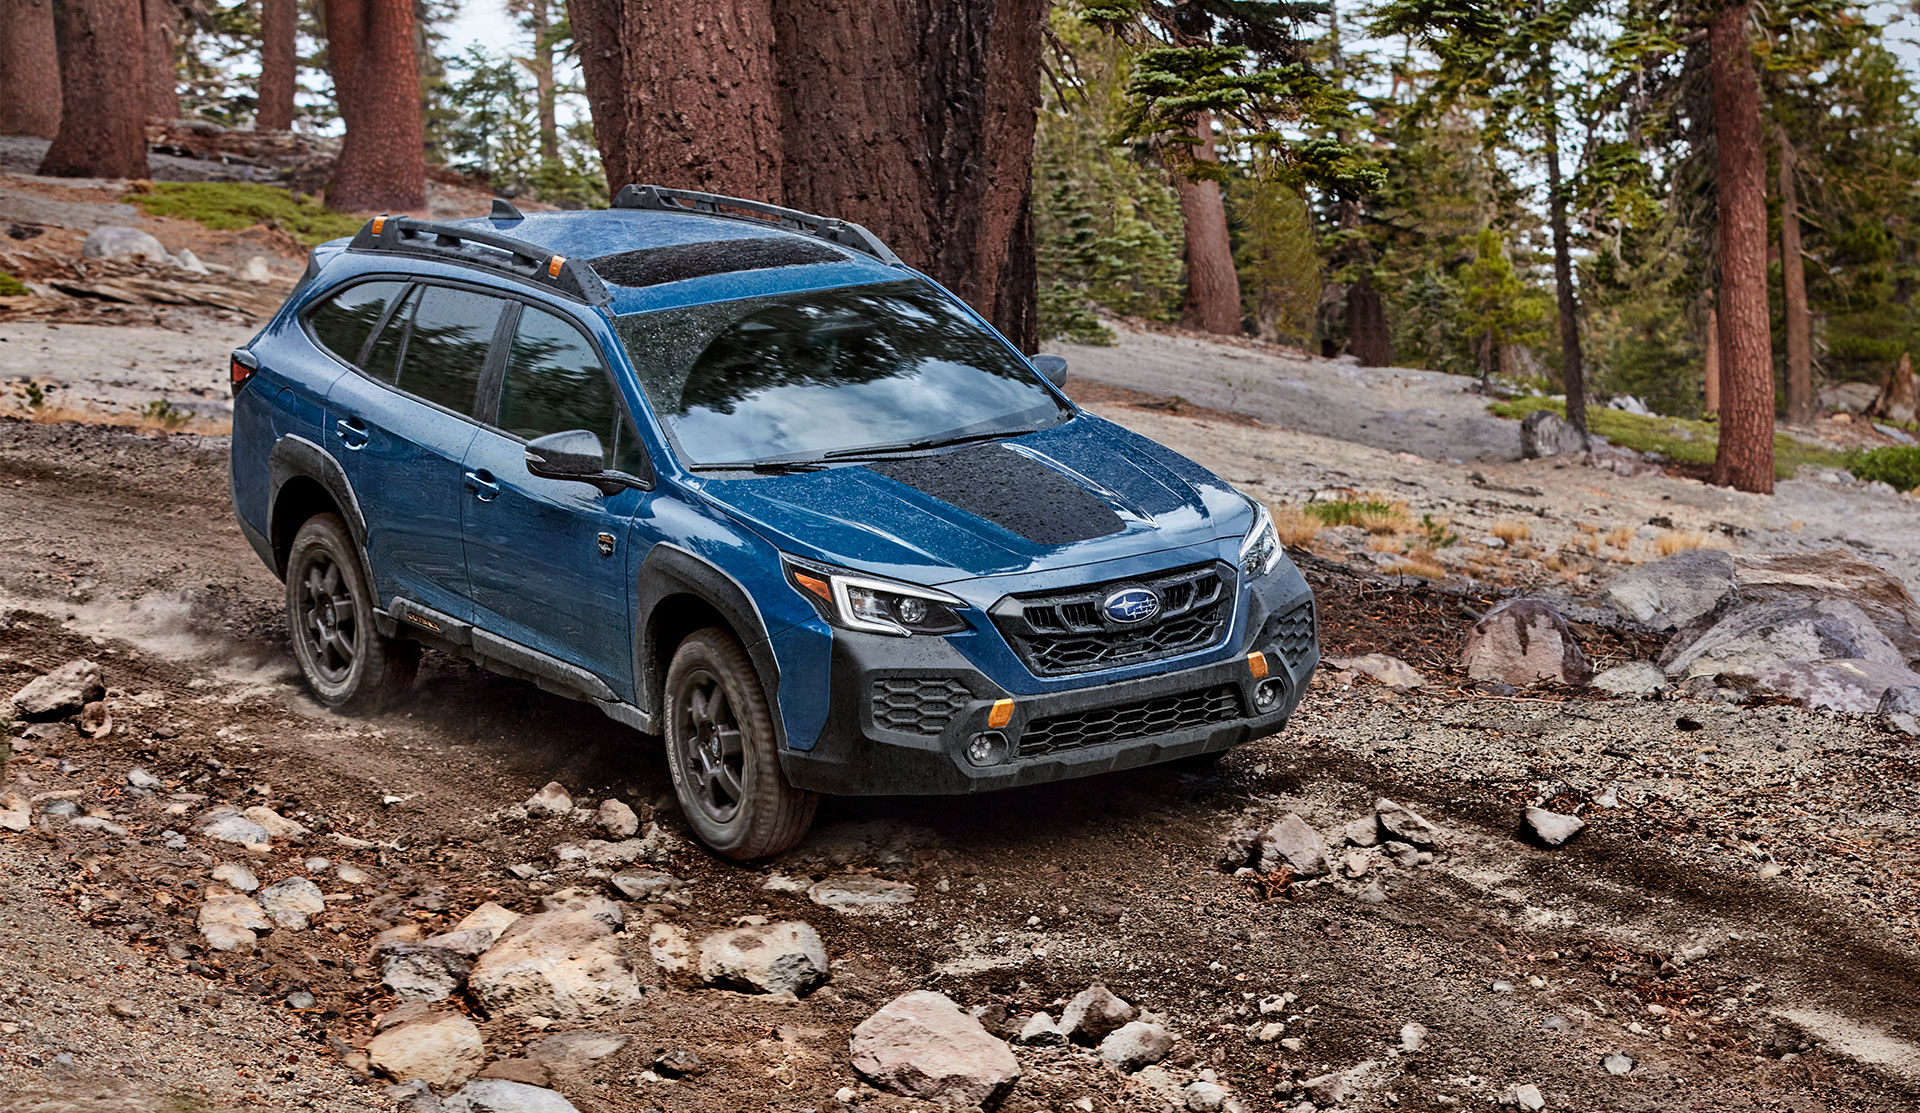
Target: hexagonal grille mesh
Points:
(1128, 721)
(1291, 633)
(1064, 632)
(918, 705)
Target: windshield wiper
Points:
(764, 467)
(916, 446)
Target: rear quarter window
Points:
(343, 321)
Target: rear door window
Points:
(343, 322)
(444, 349)
(555, 381)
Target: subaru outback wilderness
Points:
(742, 479)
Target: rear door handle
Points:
(482, 484)
(351, 433)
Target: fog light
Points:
(1266, 695)
(989, 748)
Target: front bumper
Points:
(903, 711)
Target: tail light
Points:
(241, 367)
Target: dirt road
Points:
(1741, 922)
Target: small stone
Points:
(771, 958)
(123, 1008)
(1619, 1063)
(228, 825)
(96, 823)
(1640, 679)
(112, 241)
(671, 950)
(1293, 844)
(588, 902)
(301, 999)
(1527, 1097)
(525, 871)
(679, 1063)
(276, 825)
(1204, 1097)
(564, 965)
(229, 921)
(1501, 986)
(529, 1072)
(923, 1045)
(1406, 825)
(1373, 893)
(1522, 642)
(422, 972)
(1327, 1089)
(1898, 711)
(551, 800)
(1355, 863)
(1364, 831)
(649, 885)
(1093, 1014)
(1269, 1032)
(498, 1095)
(1553, 828)
(61, 692)
(1135, 1045)
(289, 903)
(140, 778)
(859, 894)
(617, 819)
(255, 271)
(1413, 1037)
(236, 876)
(1041, 1031)
(440, 1049)
(350, 874)
(1391, 671)
(578, 1050)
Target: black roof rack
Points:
(476, 247)
(833, 230)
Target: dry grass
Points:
(1621, 538)
(1296, 528)
(1375, 514)
(1386, 544)
(1512, 530)
(1679, 541)
(1416, 564)
(150, 421)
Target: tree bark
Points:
(278, 66)
(1793, 286)
(1573, 375)
(103, 131)
(160, 30)
(683, 94)
(376, 74)
(1213, 284)
(1711, 403)
(1367, 336)
(29, 78)
(540, 64)
(1744, 459)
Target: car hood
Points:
(1089, 491)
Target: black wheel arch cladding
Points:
(670, 571)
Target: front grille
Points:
(1059, 633)
(1145, 719)
(1291, 634)
(918, 705)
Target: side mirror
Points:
(1053, 367)
(574, 454)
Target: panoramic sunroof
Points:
(654, 265)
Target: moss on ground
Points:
(1674, 438)
(231, 206)
(11, 287)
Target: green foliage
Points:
(1436, 533)
(493, 133)
(1495, 303)
(1897, 464)
(36, 395)
(1676, 439)
(11, 287)
(230, 206)
(165, 414)
(1351, 512)
(1277, 255)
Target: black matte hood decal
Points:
(1010, 490)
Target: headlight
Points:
(1261, 550)
(876, 606)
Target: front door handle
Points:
(482, 484)
(351, 433)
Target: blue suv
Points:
(739, 477)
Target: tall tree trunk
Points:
(1711, 403)
(1213, 284)
(1573, 374)
(160, 31)
(1793, 286)
(1367, 336)
(683, 94)
(1745, 456)
(382, 162)
(278, 75)
(540, 64)
(103, 132)
(29, 58)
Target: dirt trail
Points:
(1785, 988)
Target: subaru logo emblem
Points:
(1133, 604)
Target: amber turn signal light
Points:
(1001, 715)
(1257, 665)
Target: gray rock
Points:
(1204, 1097)
(498, 1095)
(440, 1049)
(1855, 686)
(587, 901)
(1619, 1063)
(1899, 710)
(187, 261)
(61, 692)
(1041, 1031)
(1526, 1097)
(859, 894)
(1834, 574)
(1406, 825)
(1413, 1037)
(1544, 433)
(423, 972)
(289, 903)
(96, 823)
(1670, 593)
(1094, 1014)
(255, 270)
(350, 874)
(551, 800)
(1757, 634)
(616, 819)
(276, 825)
(1327, 1089)
(1391, 671)
(923, 1045)
(1136, 1044)
(649, 885)
(578, 1049)
(140, 778)
(229, 922)
(414, 1097)
(564, 965)
(1553, 828)
(1853, 398)
(226, 824)
(1640, 679)
(1294, 844)
(1522, 642)
(765, 958)
(116, 241)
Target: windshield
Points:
(830, 372)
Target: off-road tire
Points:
(724, 756)
(347, 664)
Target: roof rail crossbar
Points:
(480, 247)
(845, 233)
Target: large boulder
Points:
(923, 1045)
(1853, 398)
(1545, 433)
(1835, 574)
(765, 958)
(1899, 710)
(1856, 686)
(1524, 641)
(564, 965)
(117, 241)
(61, 692)
(1755, 635)
(500, 1095)
(1673, 592)
(440, 1049)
